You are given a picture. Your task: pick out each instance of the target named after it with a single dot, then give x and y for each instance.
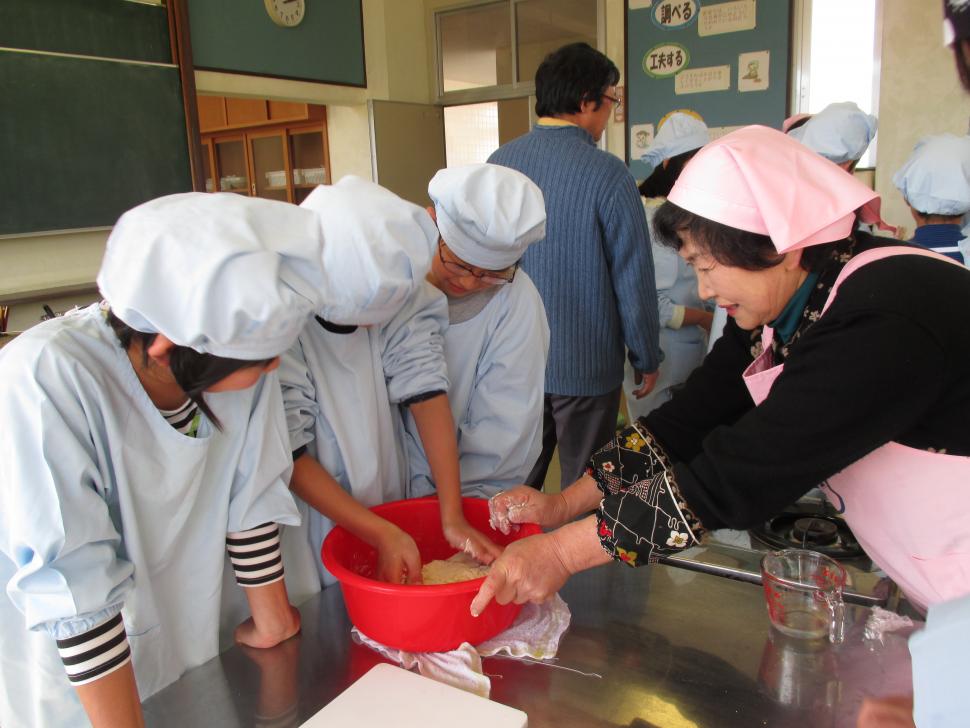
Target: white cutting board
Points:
(390, 696)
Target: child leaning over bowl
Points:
(368, 356)
(497, 337)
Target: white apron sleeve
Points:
(299, 395)
(500, 438)
(260, 490)
(940, 697)
(412, 346)
(55, 524)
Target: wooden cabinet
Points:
(281, 154)
(222, 113)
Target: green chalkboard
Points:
(240, 37)
(82, 140)
(106, 28)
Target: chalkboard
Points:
(240, 37)
(83, 140)
(726, 61)
(105, 28)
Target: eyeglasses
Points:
(489, 276)
(616, 102)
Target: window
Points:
(544, 25)
(474, 131)
(492, 49)
(838, 57)
(471, 133)
(476, 47)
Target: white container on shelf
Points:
(232, 182)
(315, 175)
(297, 176)
(276, 178)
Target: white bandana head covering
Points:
(488, 215)
(376, 250)
(935, 179)
(222, 274)
(840, 132)
(680, 133)
(763, 181)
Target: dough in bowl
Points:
(459, 567)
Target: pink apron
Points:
(909, 509)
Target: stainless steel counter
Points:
(674, 648)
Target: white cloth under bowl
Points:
(535, 634)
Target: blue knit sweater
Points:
(594, 269)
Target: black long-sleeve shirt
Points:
(889, 361)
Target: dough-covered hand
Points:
(398, 560)
(530, 570)
(476, 544)
(523, 504)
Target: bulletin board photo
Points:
(726, 62)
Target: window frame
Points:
(498, 92)
(801, 45)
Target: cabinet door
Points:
(212, 112)
(243, 112)
(232, 167)
(309, 160)
(269, 166)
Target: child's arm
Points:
(398, 559)
(112, 700)
(257, 560)
(437, 430)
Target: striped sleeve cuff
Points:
(95, 653)
(255, 555)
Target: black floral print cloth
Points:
(642, 514)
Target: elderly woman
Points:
(844, 364)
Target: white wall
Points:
(919, 93)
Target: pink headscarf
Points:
(760, 180)
(792, 120)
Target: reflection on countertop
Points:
(674, 648)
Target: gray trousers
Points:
(580, 426)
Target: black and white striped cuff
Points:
(97, 652)
(255, 555)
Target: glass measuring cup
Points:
(803, 592)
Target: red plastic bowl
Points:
(417, 618)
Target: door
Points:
(407, 147)
(270, 166)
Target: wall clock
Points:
(287, 13)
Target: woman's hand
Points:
(535, 568)
(476, 544)
(523, 504)
(530, 570)
(398, 560)
(271, 632)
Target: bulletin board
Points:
(726, 61)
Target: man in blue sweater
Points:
(594, 269)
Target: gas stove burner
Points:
(811, 532)
(804, 527)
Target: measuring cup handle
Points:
(836, 619)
